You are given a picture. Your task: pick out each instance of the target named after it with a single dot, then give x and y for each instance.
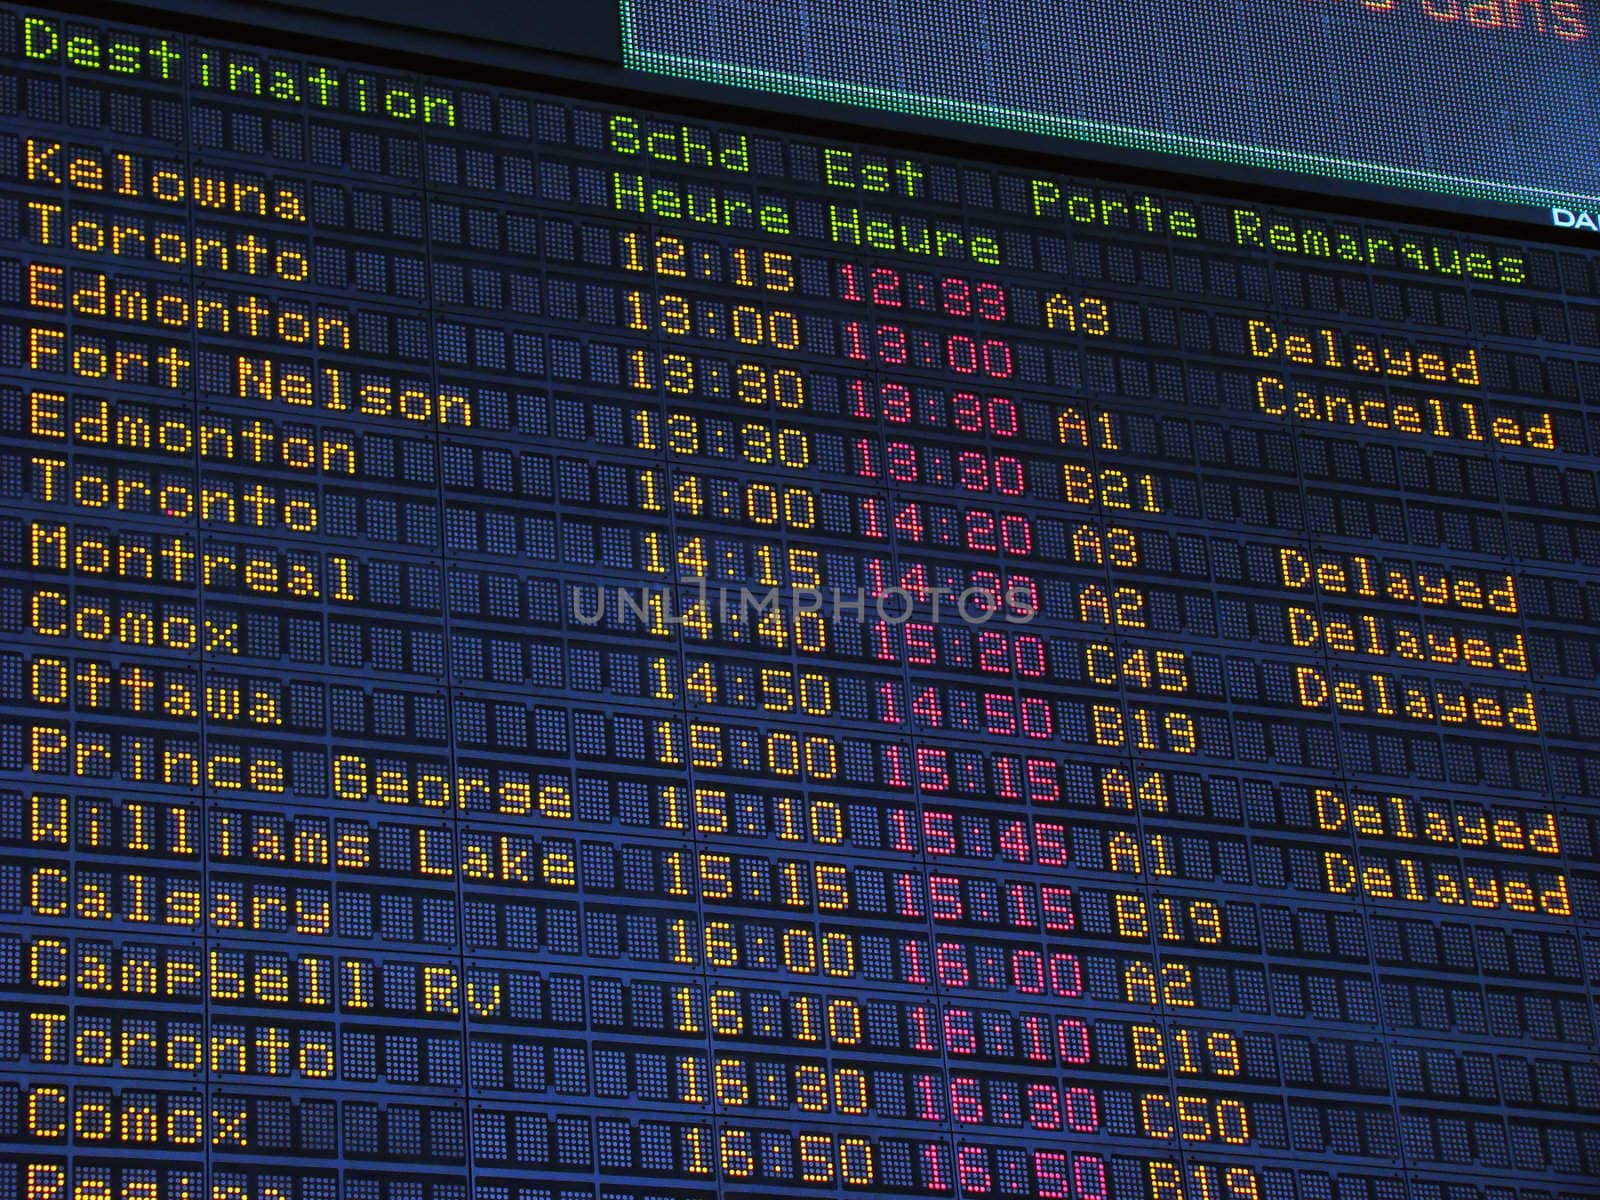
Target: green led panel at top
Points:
(1483, 100)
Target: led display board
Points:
(1470, 101)
(561, 648)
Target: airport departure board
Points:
(560, 649)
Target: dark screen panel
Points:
(1484, 101)
(560, 650)
(587, 30)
